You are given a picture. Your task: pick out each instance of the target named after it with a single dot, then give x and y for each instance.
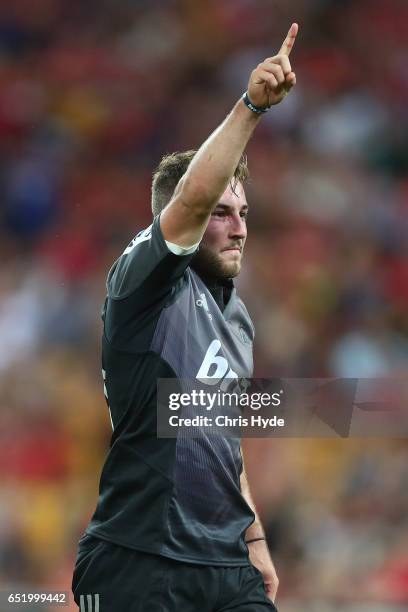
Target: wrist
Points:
(250, 117)
(252, 540)
(256, 110)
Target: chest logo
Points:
(202, 303)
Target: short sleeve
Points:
(147, 264)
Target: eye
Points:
(244, 214)
(219, 213)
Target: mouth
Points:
(235, 249)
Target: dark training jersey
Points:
(179, 497)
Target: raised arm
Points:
(185, 218)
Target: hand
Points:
(260, 558)
(273, 79)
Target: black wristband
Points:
(254, 540)
(255, 109)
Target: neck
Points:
(220, 289)
(214, 282)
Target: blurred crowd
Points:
(92, 94)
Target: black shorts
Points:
(112, 578)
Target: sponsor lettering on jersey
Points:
(215, 367)
(141, 237)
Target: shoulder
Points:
(146, 249)
(148, 263)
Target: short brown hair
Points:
(171, 169)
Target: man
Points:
(175, 527)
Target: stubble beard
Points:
(211, 265)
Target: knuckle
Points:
(279, 75)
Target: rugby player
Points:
(175, 527)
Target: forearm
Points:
(258, 551)
(185, 219)
(215, 162)
(256, 529)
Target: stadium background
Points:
(91, 95)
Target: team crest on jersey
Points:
(244, 336)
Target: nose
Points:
(237, 228)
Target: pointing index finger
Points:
(289, 41)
